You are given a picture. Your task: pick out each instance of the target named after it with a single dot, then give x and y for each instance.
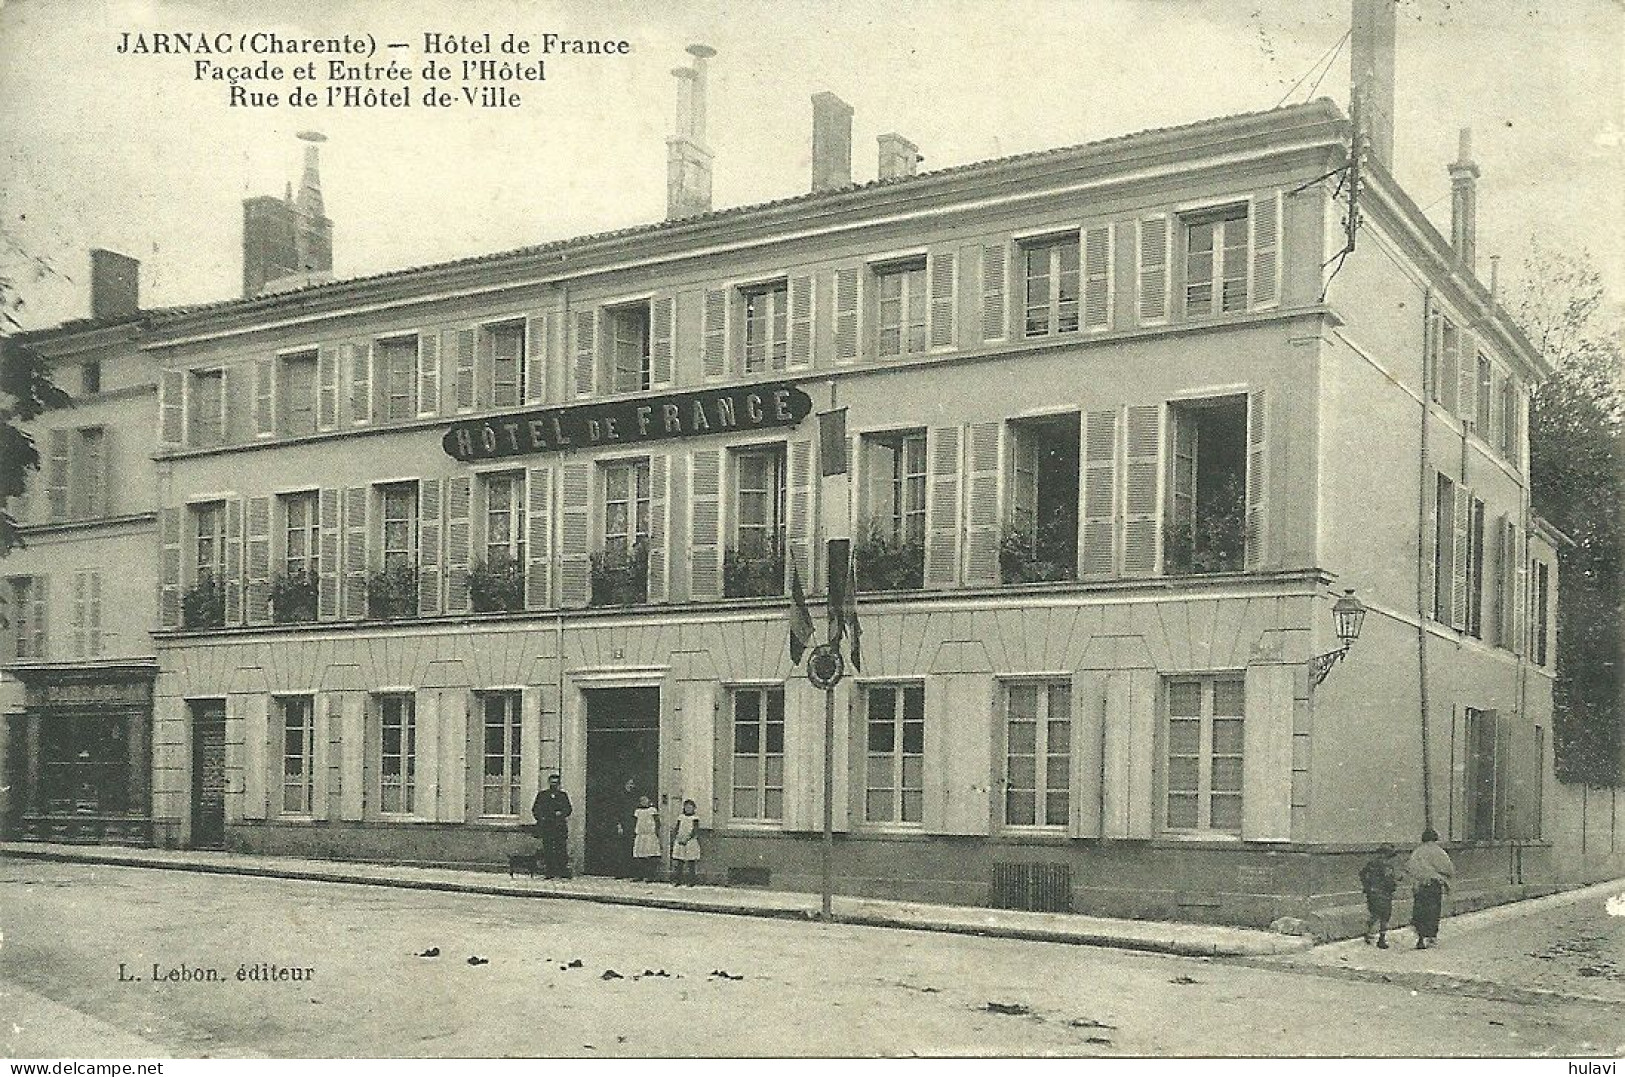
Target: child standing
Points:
(646, 841)
(685, 845)
(1378, 879)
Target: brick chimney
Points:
(688, 160)
(115, 285)
(1464, 203)
(831, 143)
(1371, 75)
(898, 157)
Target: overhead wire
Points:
(1325, 59)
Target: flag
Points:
(801, 622)
(843, 599)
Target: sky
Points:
(132, 153)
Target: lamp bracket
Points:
(1321, 664)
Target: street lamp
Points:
(1348, 615)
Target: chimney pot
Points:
(115, 284)
(831, 143)
(898, 157)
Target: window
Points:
(894, 775)
(296, 394)
(1483, 397)
(1538, 599)
(1447, 386)
(27, 616)
(85, 626)
(1050, 271)
(298, 753)
(1444, 549)
(400, 527)
(629, 347)
(1207, 486)
(507, 344)
(754, 564)
(88, 479)
(85, 764)
(90, 377)
(889, 553)
(300, 537)
(1483, 776)
(1216, 262)
(206, 406)
(1475, 570)
(397, 756)
(620, 570)
(210, 540)
(900, 296)
(504, 519)
(1041, 539)
(767, 337)
(1037, 753)
(499, 784)
(758, 753)
(1510, 433)
(1204, 754)
(398, 366)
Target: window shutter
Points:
(958, 755)
(327, 387)
(460, 345)
(1266, 767)
(1097, 277)
(428, 373)
(1142, 501)
(586, 352)
(538, 329)
(482, 368)
(942, 506)
(265, 396)
(705, 525)
(1449, 366)
(846, 314)
(575, 535)
(662, 330)
(359, 355)
(60, 452)
(327, 561)
(659, 526)
(1153, 269)
(228, 404)
(1495, 435)
(1088, 734)
(715, 332)
(1430, 540)
(1431, 347)
(321, 724)
(1128, 794)
(1257, 541)
(1264, 221)
(1097, 546)
(801, 322)
(39, 605)
(1520, 588)
(110, 494)
(801, 525)
(1458, 574)
(93, 626)
(232, 562)
(1468, 373)
(169, 568)
(944, 273)
(256, 715)
(539, 538)
(172, 407)
(1506, 583)
(429, 508)
(257, 592)
(357, 506)
(994, 305)
(459, 505)
(78, 614)
(984, 520)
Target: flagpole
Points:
(829, 802)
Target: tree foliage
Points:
(1577, 471)
(25, 392)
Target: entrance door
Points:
(623, 745)
(208, 774)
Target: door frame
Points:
(193, 762)
(573, 736)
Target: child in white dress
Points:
(646, 841)
(685, 845)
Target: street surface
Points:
(790, 988)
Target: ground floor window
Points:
(298, 753)
(1204, 754)
(397, 757)
(894, 775)
(84, 765)
(1037, 753)
(758, 753)
(500, 751)
(1483, 776)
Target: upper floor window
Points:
(900, 308)
(1482, 397)
(894, 771)
(400, 526)
(1037, 753)
(1050, 273)
(620, 570)
(629, 347)
(1539, 598)
(1475, 569)
(206, 405)
(1207, 486)
(1203, 775)
(507, 350)
(85, 624)
(1447, 379)
(504, 518)
(1510, 433)
(1444, 549)
(26, 616)
(203, 605)
(499, 751)
(1216, 261)
(767, 321)
(296, 394)
(890, 550)
(300, 541)
(298, 753)
(398, 372)
(758, 753)
(1041, 539)
(77, 485)
(90, 377)
(754, 564)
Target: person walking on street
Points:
(685, 845)
(551, 811)
(646, 841)
(1379, 878)
(1430, 872)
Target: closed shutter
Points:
(257, 593)
(265, 396)
(1430, 540)
(1130, 720)
(360, 369)
(327, 561)
(60, 451)
(575, 536)
(77, 614)
(1468, 373)
(662, 330)
(1458, 574)
(942, 506)
(357, 507)
(231, 560)
(1153, 269)
(1098, 535)
(995, 306)
(958, 754)
(1495, 434)
(327, 387)
(429, 508)
(1097, 277)
(846, 314)
(172, 407)
(1142, 494)
(699, 720)
(93, 613)
(460, 345)
(659, 526)
(985, 468)
(801, 322)
(459, 505)
(1266, 766)
(169, 568)
(1257, 481)
(586, 352)
(714, 330)
(111, 496)
(705, 525)
(801, 524)
(538, 329)
(944, 272)
(539, 538)
(1264, 221)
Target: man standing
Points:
(1430, 872)
(552, 813)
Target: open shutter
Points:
(357, 506)
(428, 373)
(1088, 733)
(846, 314)
(77, 614)
(1431, 346)
(1264, 222)
(60, 451)
(257, 593)
(942, 506)
(39, 604)
(327, 561)
(256, 715)
(705, 525)
(1458, 574)
(995, 305)
(1097, 277)
(1520, 588)
(1449, 365)
(715, 332)
(984, 470)
(93, 619)
(232, 561)
(1097, 546)
(944, 273)
(228, 405)
(575, 536)
(801, 322)
(1153, 269)
(1142, 489)
(1430, 540)
(659, 526)
(1266, 767)
(359, 362)
(1257, 481)
(265, 396)
(662, 330)
(538, 329)
(1506, 578)
(539, 538)
(586, 352)
(461, 348)
(169, 569)
(327, 387)
(1468, 373)
(429, 508)
(459, 505)
(801, 525)
(172, 407)
(322, 721)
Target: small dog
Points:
(530, 863)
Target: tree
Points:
(25, 392)
(1577, 471)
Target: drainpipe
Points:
(1421, 553)
(558, 618)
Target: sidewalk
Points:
(1190, 940)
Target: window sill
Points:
(1213, 837)
(754, 826)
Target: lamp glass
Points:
(1349, 615)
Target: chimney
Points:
(898, 157)
(1464, 204)
(831, 143)
(1371, 75)
(115, 285)
(688, 161)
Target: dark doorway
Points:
(623, 745)
(208, 774)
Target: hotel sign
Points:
(628, 422)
